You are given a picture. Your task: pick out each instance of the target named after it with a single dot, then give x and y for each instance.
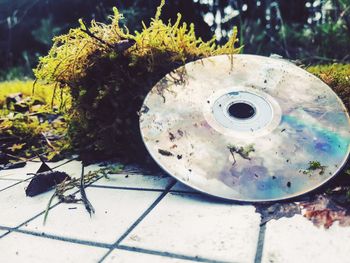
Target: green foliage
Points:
(329, 40)
(110, 70)
(13, 73)
(43, 93)
(26, 137)
(37, 124)
(46, 31)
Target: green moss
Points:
(337, 76)
(314, 166)
(109, 70)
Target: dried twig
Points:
(88, 32)
(84, 198)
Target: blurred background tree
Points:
(311, 31)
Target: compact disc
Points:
(246, 128)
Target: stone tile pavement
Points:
(145, 218)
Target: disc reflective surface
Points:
(246, 128)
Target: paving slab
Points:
(14, 201)
(16, 207)
(194, 226)
(116, 211)
(18, 247)
(185, 226)
(124, 256)
(296, 239)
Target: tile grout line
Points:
(68, 161)
(106, 245)
(12, 185)
(57, 237)
(5, 234)
(260, 245)
(9, 179)
(144, 214)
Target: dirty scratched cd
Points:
(246, 128)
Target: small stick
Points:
(84, 198)
(88, 32)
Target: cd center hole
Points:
(241, 110)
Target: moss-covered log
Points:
(110, 70)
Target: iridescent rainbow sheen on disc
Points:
(297, 139)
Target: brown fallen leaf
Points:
(324, 211)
